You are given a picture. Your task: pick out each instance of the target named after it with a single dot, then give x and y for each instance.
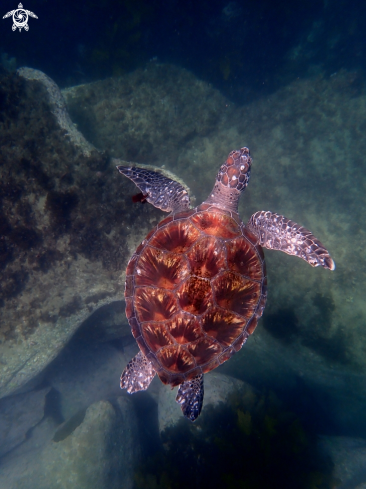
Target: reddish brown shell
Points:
(195, 289)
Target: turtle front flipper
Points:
(162, 192)
(190, 397)
(137, 375)
(276, 232)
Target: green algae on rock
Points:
(65, 223)
(148, 115)
(58, 108)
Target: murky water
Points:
(288, 409)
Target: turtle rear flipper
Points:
(138, 374)
(190, 397)
(276, 232)
(160, 191)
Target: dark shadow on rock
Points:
(52, 406)
(108, 323)
(18, 415)
(248, 442)
(282, 325)
(332, 347)
(69, 426)
(313, 405)
(146, 411)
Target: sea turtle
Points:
(196, 286)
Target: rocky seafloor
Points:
(68, 227)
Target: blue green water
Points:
(190, 82)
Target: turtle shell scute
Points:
(163, 223)
(216, 224)
(142, 345)
(184, 214)
(235, 293)
(239, 342)
(176, 237)
(204, 350)
(176, 359)
(160, 269)
(156, 335)
(184, 328)
(226, 355)
(131, 265)
(130, 310)
(195, 289)
(129, 286)
(207, 257)
(153, 304)
(215, 325)
(135, 327)
(242, 257)
(195, 295)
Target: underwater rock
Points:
(58, 108)
(107, 323)
(217, 389)
(149, 115)
(18, 414)
(86, 373)
(67, 227)
(349, 458)
(22, 468)
(99, 453)
(97, 450)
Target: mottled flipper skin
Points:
(160, 191)
(276, 232)
(190, 397)
(137, 375)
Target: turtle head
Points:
(235, 172)
(232, 178)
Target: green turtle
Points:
(196, 286)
